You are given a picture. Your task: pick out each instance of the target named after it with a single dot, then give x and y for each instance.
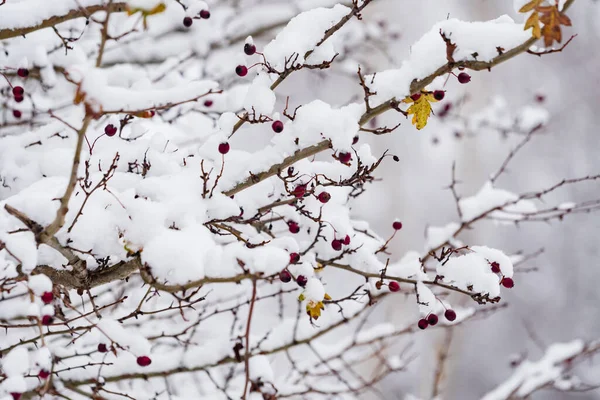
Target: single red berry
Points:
(19, 99)
(432, 319)
(18, 91)
(47, 297)
(144, 361)
(293, 227)
(301, 280)
(355, 140)
(249, 49)
(285, 276)
(344, 157)
(224, 148)
(336, 244)
(15, 396)
(187, 22)
(23, 72)
(205, 14)
(415, 96)
(208, 103)
(324, 197)
(241, 70)
(450, 315)
(47, 319)
(444, 111)
(346, 240)
(495, 267)
(394, 286)
(439, 95)
(294, 258)
(17, 114)
(110, 130)
(423, 323)
(277, 126)
(299, 191)
(43, 374)
(102, 347)
(540, 98)
(397, 225)
(508, 283)
(463, 78)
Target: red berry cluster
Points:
(336, 244)
(188, 21)
(432, 319)
(505, 281)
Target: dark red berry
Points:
(144, 361)
(19, 99)
(224, 148)
(277, 126)
(463, 78)
(47, 297)
(345, 158)
(15, 396)
(187, 22)
(102, 348)
(444, 111)
(324, 197)
(415, 96)
(439, 95)
(540, 98)
(293, 227)
(346, 240)
(23, 72)
(17, 114)
(450, 315)
(47, 319)
(110, 130)
(355, 140)
(249, 49)
(299, 191)
(205, 14)
(495, 267)
(241, 70)
(423, 323)
(294, 258)
(208, 103)
(394, 286)
(397, 225)
(301, 280)
(18, 91)
(43, 374)
(285, 276)
(508, 283)
(432, 319)
(336, 244)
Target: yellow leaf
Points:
(420, 109)
(313, 309)
(161, 7)
(301, 297)
(534, 22)
(327, 297)
(530, 6)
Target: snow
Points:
(40, 284)
(16, 362)
(438, 235)
(506, 205)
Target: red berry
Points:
(344, 157)
(346, 240)
(508, 283)
(19, 99)
(285, 276)
(495, 267)
(18, 91)
(355, 140)
(394, 286)
(463, 78)
(397, 225)
(43, 374)
(294, 258)
(110, 130)
(208, 103)
(187, 22)
(432, 319)
(450, 315)
(540, 98)
(415, 96)
(241, 70)
(293, 227)
(17, 114)
(423, 323)
(324, 197)
(249, 49)
(299, 191)
(205, 14)
(277, 126)
(301, 280)
(47, 319)
(336, 244)
(15, 396)
(444, 111)
(23, 72)
(47, 297)
(224, 148)
(144, 361)
(439, 95)
(102, 348)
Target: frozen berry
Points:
(294, 258)
(346, 240)
(285, 276)
(397, 225)
(102, 348)
(19, 99)
(205, 14)
(208, 103)
(23, 72)
(336, 244)
(299, 191)
(187, 22)
(423, 323)
(43, 374)
(17, 114)
(415, 96)
(47, 297)
(463, 78)
(47, 319)
(15, 395)
(110, 130)
(224, 148)
(439, 95)
(324, 197)
(450, 315)
(345, 157)
(18, 91)
(241, 70)
(432, 319)
(144, 361)
(355, 140)
(301, 280)
(293, 227)
(508, 283)
(249, 49)
(394, 286)
(495, 267)
(277, 126)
